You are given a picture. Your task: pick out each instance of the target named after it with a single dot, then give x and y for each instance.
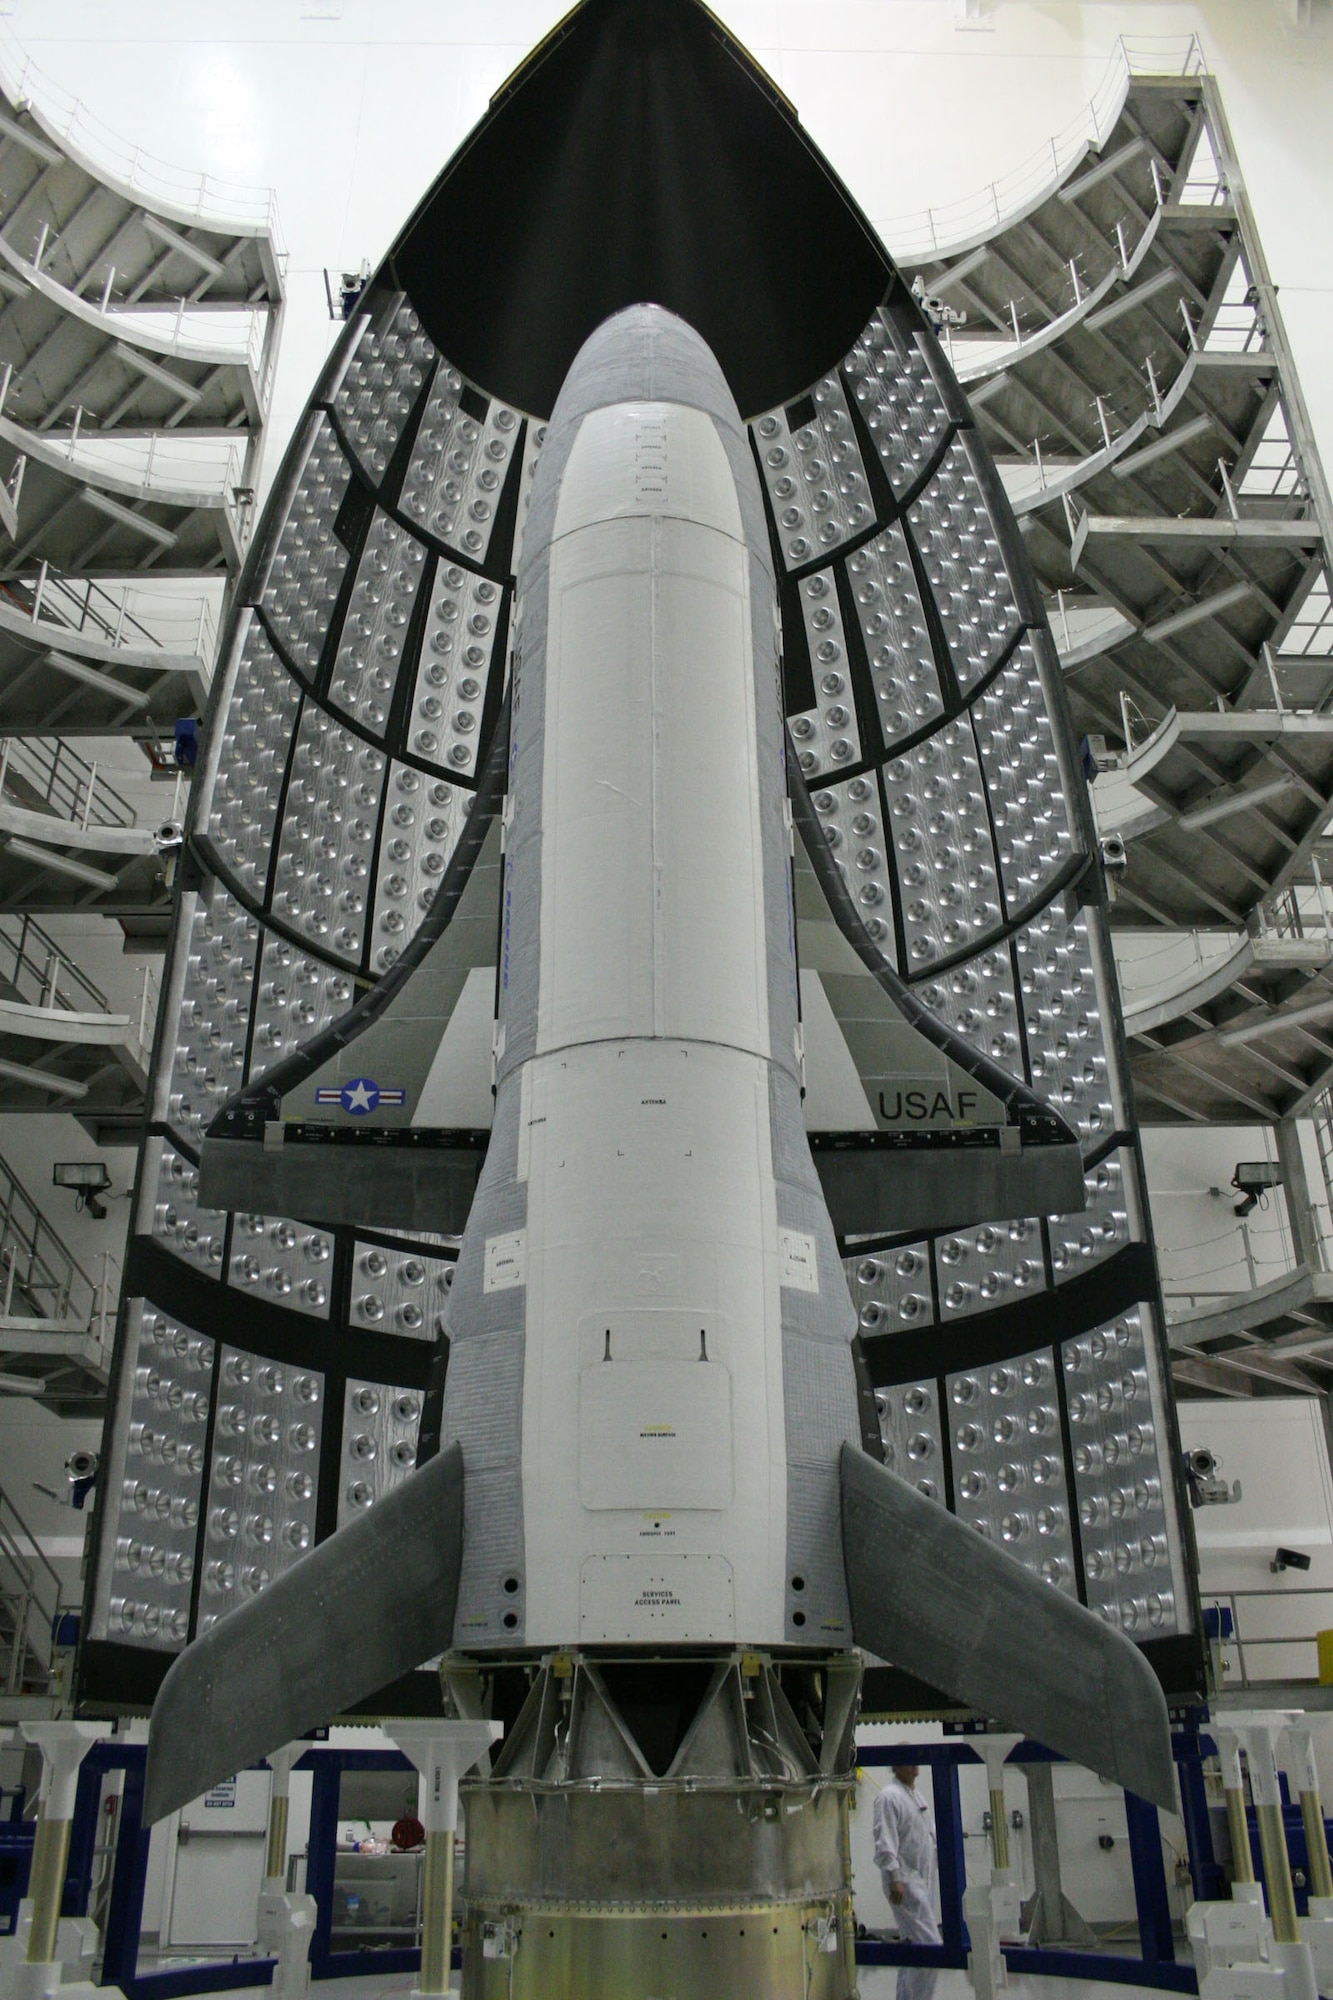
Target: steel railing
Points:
(237, 337)
(145, 1019)
(148, 620)
(226, 204)
(935, 232)
(37, 972)
(48, 769)
(175, 468)
(80, 604)
(39, 1277)
(1238, 1641)
(32, 1599)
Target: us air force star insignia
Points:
(361, 1095)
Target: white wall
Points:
(33, 1448)
(1203, 1248)
(1277, 1448)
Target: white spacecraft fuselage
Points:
(657, 1266)
(653, 1430)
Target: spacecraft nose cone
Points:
(646, 354)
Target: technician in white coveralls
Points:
(905, 1857)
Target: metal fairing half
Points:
(322, 1126)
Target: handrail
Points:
(78, 603)
(108, 1303)
(53, 592)
(31, 1569)
(1219, 1597)
(173, 467)
(37, 1269)
(939, 232)
(43, 1562)
(225, 204)
(145, 1023)
(37, 961)
(18, 1594)
(73, 788)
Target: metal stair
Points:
(62, 1047)
(1110, 310)
(140, 314)
(32, 1599)
(1126, 358)
(56, 1321)
(70, 841)
(89, 658)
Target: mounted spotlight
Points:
(1204, 1482)
(1253, 1178)
(88, 1179)
(81, 1472)
(1115, 862)
(938, 311)
(1288, 1559)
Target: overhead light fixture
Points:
(88, 1179)
(1253, 1178)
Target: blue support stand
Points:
(124, 1921)
(942, 1761)
(120, 1956)
(1150, 1892)
(326, 1768)
(16, 1837)
(952, 1860)
(83, 1838)
(15, 1865)
(1156, 1965)
(130, 1870)
(323, 1843)
(1190, 1749)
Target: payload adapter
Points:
(651, 1519)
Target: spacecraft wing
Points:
(930, 1595)
(368, 1605)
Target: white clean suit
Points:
(905, 1853)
